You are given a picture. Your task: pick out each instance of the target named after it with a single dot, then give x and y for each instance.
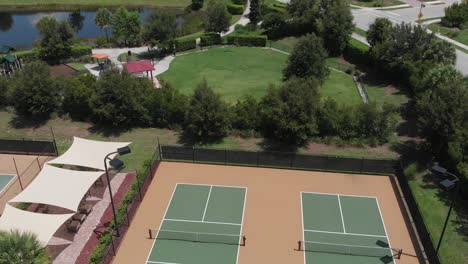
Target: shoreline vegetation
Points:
(87, 5)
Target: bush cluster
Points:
(210, 39)
(234, 9)
(247, 40)
(456, 15)
(185, 44)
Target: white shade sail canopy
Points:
(58, 187)
(43, 226)
(88, 153)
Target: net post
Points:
(149, 234)
(400, 252)
(243, 241)
(299, 245)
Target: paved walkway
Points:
(71, 253)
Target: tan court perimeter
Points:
(272, 220)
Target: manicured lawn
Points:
(376, 3)
(77, 66)
(34, 4)
(453, 33)
(285, 44)
(341, 87)
(434, 205)
(232, 71)
(360, 31)
(381, 93)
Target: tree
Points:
(4, 90)
(120, 99)
(167, 106)
(272, 20)
(456, 15)
(77, 93)
(255, 13)
(442, 112)
(307, 59)
(289, 114)
(54, 39)
(207, 116)
(380, 31)
(103, 19)
(218, 18)
(197, 4)
(335, 25)
(159, 26)
(245, 114)
(35, 95)
(20, 248)
(298, 8)
(126, 25)
(438, 77)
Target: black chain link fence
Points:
(278, 160)
(28, 146)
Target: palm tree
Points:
(21, 248)
(103, 19)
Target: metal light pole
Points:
(447, 185)
(117, 164)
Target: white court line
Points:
(303, 229)
(159, 262)
(207, 202)
(350, 195)
(197, 221)
(214, 185)
(165, 213)
(385, 229)
(339, 233)
(242, 225)
(341, 213)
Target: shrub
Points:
(456, 15)
(78, 51)
(235, 9)
(209, 39)
(185, 44)
(28, 55)
(196, 4)
(4, 87)
(245, 114)
(76, 94)
(411, 171)
(247, 40)
(238, 2)
(357, 52)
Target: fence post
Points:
(160, 151)
(126, 214)
(38, 163)
(112, 243)
(291, 162)
(138, 182)
(55, 143)
(225, 156)
(362, 165)
(193, 154)
(258, 158)
(17, 173)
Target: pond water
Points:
(19, 29)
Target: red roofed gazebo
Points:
(140, 67)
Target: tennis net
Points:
(197, 237)
(371, 251)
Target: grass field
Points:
(455, 34)
(341, 87)
(433, 204)
(376, 3)
(232, 71)
(63, 4)
(285, 44)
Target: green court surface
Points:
(343, 229)
(202, 225)
(5, 180)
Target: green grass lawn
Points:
(232, 71)
(360, 31)
(433, 204)
(376, 3)
(285, 44)
(63, 4)
(453, 33)
(341, 87)
(381, 93)
(77, 66)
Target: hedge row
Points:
(247, 40)
(210, 39)
(235, 9)
(185, 44)
(357, 52)
(266, 9)
(99, 252)
(238, 2)
(33, 54)
(27, 54)
(78, 51)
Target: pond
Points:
(19, 29)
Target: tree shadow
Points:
(272, 145)
(188, 140)
(108, 131)
(20, 121)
